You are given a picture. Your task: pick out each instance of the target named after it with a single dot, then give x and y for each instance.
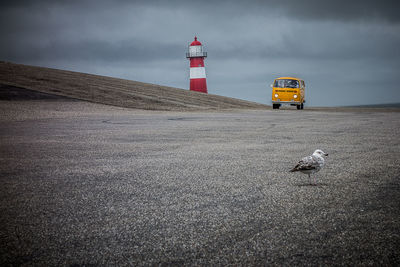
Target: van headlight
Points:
(295, 96)
(276, 95)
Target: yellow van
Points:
(289, 91)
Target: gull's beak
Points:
(326, 154)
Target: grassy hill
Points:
(113, 91)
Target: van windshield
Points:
(286, 83)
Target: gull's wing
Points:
(306, 163)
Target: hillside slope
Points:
(113, 91)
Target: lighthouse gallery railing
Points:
(197, 54)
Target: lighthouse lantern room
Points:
(196, 56)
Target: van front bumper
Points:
(287, 102)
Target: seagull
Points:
(311, 164)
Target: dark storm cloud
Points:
(297, 48)
(93, 50)
(342, 10)
(51, 30)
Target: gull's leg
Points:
(309, 178)
(315, 180)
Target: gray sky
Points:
(348, 52)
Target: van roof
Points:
(292, 78)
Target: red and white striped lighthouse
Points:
(197, 71)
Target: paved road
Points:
(88, 184)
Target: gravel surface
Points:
(87, 184)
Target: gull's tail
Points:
(295, 169)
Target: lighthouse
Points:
(197, 71)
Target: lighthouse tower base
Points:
(198, 85)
